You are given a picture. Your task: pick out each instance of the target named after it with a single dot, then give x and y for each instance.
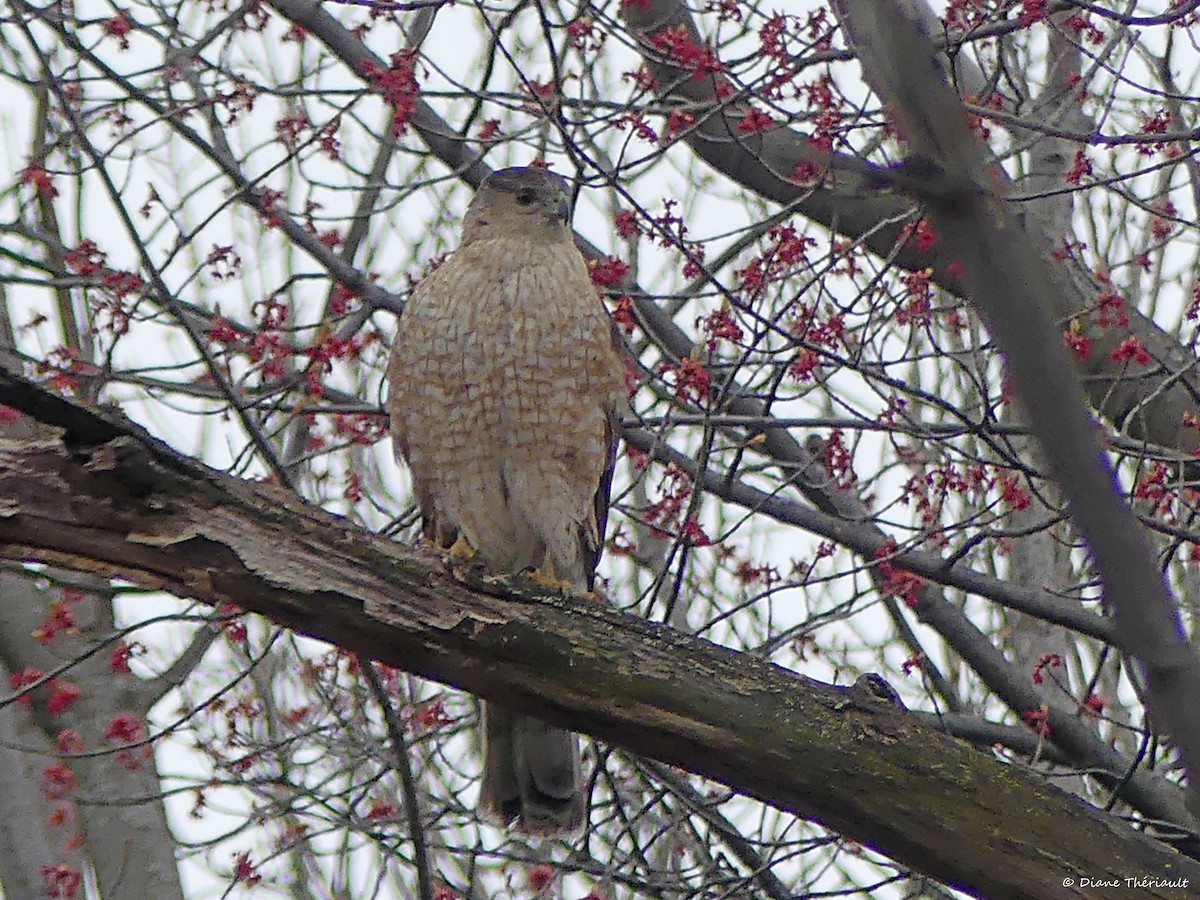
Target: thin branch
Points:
(412, 807)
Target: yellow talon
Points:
(545, 576)
(461, 550)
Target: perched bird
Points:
(504, 381)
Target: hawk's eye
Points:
(526, 196)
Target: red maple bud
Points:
(232, 624)
(489, 130)
(633, 377)
(643, 78)
(62, 882)
(748, 574)
(540, 876)
(60, 815)
(60, 619)
(1131, 350)
(399, 86)
(125, 728)
(720, 325)
(63, 695)
(58, 780)
(342, 301)
(268, 206)
(623, 314)
(1038, 720)
(381, 809)
(806, 172)
(1015, 497)
(898, 582)
(1080, 169)
(1082, 25)
(923, 234)
(905, 585)
(433, 715)
(607, 272)
(694, 534)
(691, 379)
(637, 123)
(806, 363)
(1046, 661)
(1080, 343)
(1033, 11)
(122, 283)
(627, 224)
(23, 679)
(38, 178)
(585, 35)
(118, 662)
(354, 489)
(1162, 225)
(362, 428)
(1152, 484)
(86, 258)
(839, 459)
(679, 120)
(297, 715)
(290, 129)
(119, 27)
(1112, 311)
(678, 45)
(1157, 123)
(755, 121)
(69, 741)
(221, 331)
(244, 869)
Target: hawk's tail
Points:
(531, 774)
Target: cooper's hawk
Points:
(504, 380)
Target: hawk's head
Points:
(524, 201)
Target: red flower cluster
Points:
(399, 86)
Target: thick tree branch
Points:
(102, 496)
(1146, 791)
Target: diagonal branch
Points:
(103, 496)
(1006, 278)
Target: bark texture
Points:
(102, 496)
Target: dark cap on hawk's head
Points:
(524, 200)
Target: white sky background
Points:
(452, 48)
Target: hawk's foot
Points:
(545, 576)
(461, 550)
